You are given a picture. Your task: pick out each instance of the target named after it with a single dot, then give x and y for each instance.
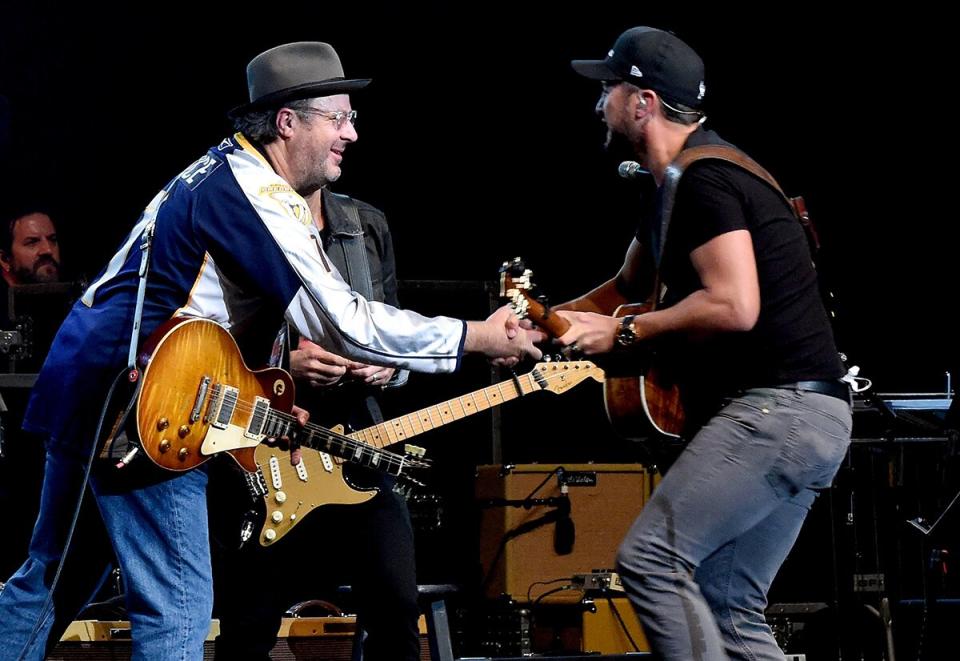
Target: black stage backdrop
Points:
(480, 143)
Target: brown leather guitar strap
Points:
(689, 156)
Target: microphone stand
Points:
(561, 511)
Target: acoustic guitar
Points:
(640, 396)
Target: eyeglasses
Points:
(338, 117)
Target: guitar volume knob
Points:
(277, 516)
(270, 534)
(165, 445)
(182, 453)
(280, 497)
(162, 424)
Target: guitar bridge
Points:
(256, 483)
(201, 396)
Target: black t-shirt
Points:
(792, 340)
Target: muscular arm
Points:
(728, 301)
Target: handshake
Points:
(501, 338)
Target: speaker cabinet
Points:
(531, 532)
(606, 633)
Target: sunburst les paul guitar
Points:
(197, 399)
(291, 492)
(640, 396)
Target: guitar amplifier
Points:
(531, 532)
(611, 626)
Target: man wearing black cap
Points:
(740, 318)
(233, 241)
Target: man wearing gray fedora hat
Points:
(231, 239)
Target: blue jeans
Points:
(699, 560)
(157, 525)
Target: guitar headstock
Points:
(560, 376)
(414, 457)
(408, 478)
(516, 284)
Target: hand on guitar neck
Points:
(579, 332)
(639, 402)
(589, 332)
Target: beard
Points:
(317, 177)
(45, 269)
(619, 148)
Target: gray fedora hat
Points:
(300, 70)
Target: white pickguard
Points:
(231, 438)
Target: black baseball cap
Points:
(651, 59)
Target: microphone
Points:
(564, 530)
(631, 170)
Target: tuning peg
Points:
(416, 462)
(415, 482)
(515, 267)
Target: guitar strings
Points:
(245, 406)
(351, 443)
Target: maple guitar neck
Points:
(412, 424)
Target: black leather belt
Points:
(832, 388)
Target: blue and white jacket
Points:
(236, 244)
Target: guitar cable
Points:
(73, 522)
(623, 625)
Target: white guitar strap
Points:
(120, 445)
(145, 248)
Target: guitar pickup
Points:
(261, 406)
(302, 470)
(275, 473)
(414, 450)
(224, 406)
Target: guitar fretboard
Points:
(409, 425)
(365, 446)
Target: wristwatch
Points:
(627, 334)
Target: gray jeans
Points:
(699, 560)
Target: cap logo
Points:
(610, 53)
(703, 90)
(634, 71)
